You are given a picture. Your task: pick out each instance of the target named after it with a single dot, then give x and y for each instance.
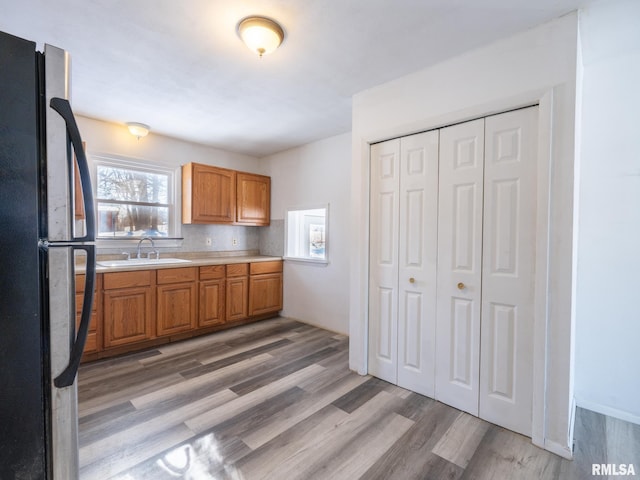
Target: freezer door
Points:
(60, 219)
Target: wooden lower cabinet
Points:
(177, 297)
(237, 291)
(265, 288)
(128, 304)
(94, 337)
(141, 308)
(212, 296)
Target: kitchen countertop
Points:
(194, 261)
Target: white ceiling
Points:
(179, 66)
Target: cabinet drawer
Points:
(212, 272)
(237, 270)
(177, 275)
(128, 279)
(259, 268)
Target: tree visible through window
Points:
(132, 202)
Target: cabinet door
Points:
(212, 302)
(127, 315)
(208, 194)
(265, 293)
(94, 337)
(177, 305)
(253, 199)
(237, 298)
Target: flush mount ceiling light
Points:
(260, 34)
(138, 129)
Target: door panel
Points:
(418, 243)
(459, 265)
(509, 269)
(383, 259)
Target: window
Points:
(306, 234)
(134, 200)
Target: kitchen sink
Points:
(141, 261)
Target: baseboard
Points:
(608, 411)
(572, 422)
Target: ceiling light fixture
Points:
(138, 129)
(262, 35)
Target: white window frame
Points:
(299, 231)
(175, 209)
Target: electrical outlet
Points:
(234, 242)
(208, 241)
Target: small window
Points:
(307, 234)
(134, 200)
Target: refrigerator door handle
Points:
(63, 107)
(67, 377)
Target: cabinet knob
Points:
(461, 286)
(412, 280)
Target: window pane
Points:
(132, 220)
(130, 185)
(306, 234)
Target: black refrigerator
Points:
(41, 241)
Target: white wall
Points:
(608, 317)
(315, 174)
(538, 65)
(110, 139)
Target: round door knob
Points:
(460, 286)
(412, 280)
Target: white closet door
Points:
(506, 369)
(383, 259)
(418, 249)
(459, 265)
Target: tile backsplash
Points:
(267, 240)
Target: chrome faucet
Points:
(152, 246)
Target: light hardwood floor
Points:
(276, 399)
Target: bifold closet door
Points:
(459, 265)
(402, 289)
(384, 224)
(508, 271)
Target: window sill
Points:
(313, 261)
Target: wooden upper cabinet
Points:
(219, 195)
(208, 194)
(253, 194)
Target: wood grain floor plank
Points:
(288, 417)
(218, 415)
(411, 456)
(459, 442)
(504, 454)
(286, 451)
(277, 373)
(136, 434)
(186, 386)
(127, 458)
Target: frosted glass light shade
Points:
(261, 35)
(138, 129)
